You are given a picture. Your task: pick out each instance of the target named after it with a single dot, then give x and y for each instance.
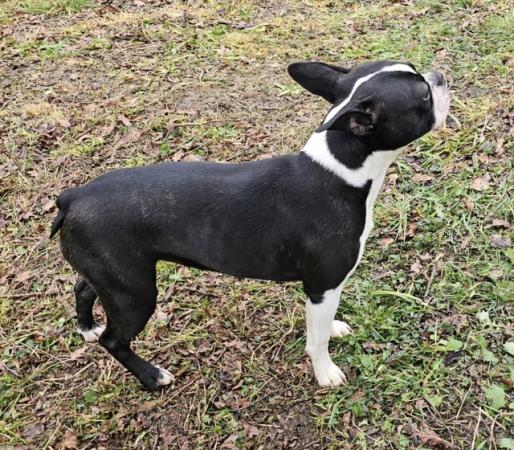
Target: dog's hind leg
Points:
(127, 315)
(129, 298)
(85, 297)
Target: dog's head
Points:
(385, 104)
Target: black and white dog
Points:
(299, 217)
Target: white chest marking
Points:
(374, 168)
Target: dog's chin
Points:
(441, 99)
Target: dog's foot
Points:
(340, 329)
(329, 375)
(92, 334)
(156, 378)
(165, 377)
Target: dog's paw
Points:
(93, 334)
(330, 375)
(340, 329)
(164, 377)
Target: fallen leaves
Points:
(22, 277)
(481, 183)
(77, 354)
(33, 430)
(48, 205)
(128, 138)
(500, 242)
(422, 178)
(69, 441)
(429, 437)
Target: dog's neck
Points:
(349, 159)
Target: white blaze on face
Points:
(441, 99)
(391, 68)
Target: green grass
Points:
(52, 6)
(431, 304)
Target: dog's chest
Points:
(377, 168)
(374, 168)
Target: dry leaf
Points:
(177, 156)
(192, 158)
(23, 276)
(48, 205)
(496, 274)
(500, 223)
(33, 430)
(429, 437)
(128, 138)
(230, 442)
(250, 430)
(124, 120)
(469, 204)
(70, 441)
(411, 230)
(499, 242)
(77, 354)
(386, 241)
(149, 405)
(421, 177)
(499, 147)
(415, 267)
(481, 183)
(392, 179)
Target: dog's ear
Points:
(318, 78)
(359, 118)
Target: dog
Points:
(300, 217)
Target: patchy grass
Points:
(90, 86)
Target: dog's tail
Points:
(63, 203)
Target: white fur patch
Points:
(360, 81)
(340, 329)
(93, 334)
(165, 377)
(373, 167)
(319, 318)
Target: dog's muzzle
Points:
(440, 97)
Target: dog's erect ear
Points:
(318, 78)
(360, 118)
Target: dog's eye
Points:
(426, 97)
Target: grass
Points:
(91, 86)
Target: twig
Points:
(475, 433)
(491, 435)
(462, 404)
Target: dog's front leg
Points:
(320, 313)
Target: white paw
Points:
(329, 375)
(165, 377)
(93, 334)
(340, 329)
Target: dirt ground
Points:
(89, 86)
